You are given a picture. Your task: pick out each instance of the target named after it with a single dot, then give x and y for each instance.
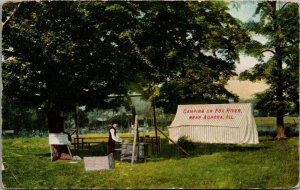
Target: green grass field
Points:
(271, 121)
(269, 164)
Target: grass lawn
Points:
(271, 121)
(269, 164)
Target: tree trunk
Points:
(55, 121)
(280, 126)
(280, 132)
(279, 97)
(277, 72)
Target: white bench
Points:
(11, 132)
(59, 139)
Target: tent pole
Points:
(134, 139)
(173, 142)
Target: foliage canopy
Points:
(280, 25)
(79, 53)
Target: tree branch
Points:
(286, 4)
(14, 11)
(138, 51)
(267, 51)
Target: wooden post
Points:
(77, 130)
(155, 124)
(134, 138)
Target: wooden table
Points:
(103, 140)
(152, 141)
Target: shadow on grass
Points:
(171, 151)
(95, 150)
(43, 155)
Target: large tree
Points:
(63, 54)
(279, 23)
(56, 57)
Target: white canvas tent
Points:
(215, 123)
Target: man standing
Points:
(113, 137)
